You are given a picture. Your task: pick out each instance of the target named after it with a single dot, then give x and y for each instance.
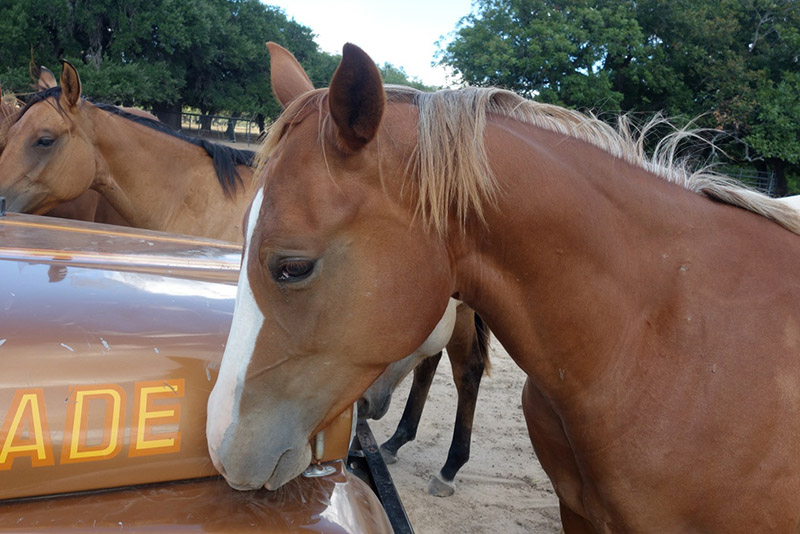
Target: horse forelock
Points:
(295, 112)
(450, 164)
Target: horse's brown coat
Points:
(658, 327)
(57, 150)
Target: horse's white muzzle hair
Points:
(244, 446)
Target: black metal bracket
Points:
(366, 462)
(2, 206)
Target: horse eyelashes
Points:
(293, 270)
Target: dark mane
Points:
(225, 158)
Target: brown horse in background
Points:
(468, 352)
(655, 310)
(89, 206)
(62, 145)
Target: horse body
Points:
(63, 145)
(650, 330)
(659, 328)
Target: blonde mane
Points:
(451, 167)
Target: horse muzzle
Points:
(244, 472)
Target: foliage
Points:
(397, 76)
(732, 63)
(160, 54)
(163, 54)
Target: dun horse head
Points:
(47, 136)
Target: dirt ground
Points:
(502, 489)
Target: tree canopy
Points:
(732, 63)
(160, 54)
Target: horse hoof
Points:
(388, 457)
(439, 487)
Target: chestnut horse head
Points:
(289, 256)
(655, 310)
(60, 145)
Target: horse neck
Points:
(160, 182)
(578, 244)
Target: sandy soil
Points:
(502, 489)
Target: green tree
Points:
(397, 76)
(732, 63)
(205, 54)
(570, 52)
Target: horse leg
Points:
(409, 422)
(468, 352)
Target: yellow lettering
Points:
(27, 411)
(147, 414)
(76, 434)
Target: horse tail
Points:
(482, 334)
(226, 159)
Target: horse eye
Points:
(44, 142)
(292, 270)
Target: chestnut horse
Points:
(62, 145)
(655, 310)
(468, 352)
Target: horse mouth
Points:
(21, 200)
(243, 487)
(286, 468)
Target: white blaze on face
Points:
(247, 322)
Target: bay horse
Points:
(62, 145)
(468, 352)
(654, 309)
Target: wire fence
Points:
(247, 130)
(764, 182)
(220, 128)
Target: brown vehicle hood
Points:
(110, 342)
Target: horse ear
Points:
(46, 79)
(289, 80)
(70, 84)
(356, 98)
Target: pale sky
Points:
(400, 32)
